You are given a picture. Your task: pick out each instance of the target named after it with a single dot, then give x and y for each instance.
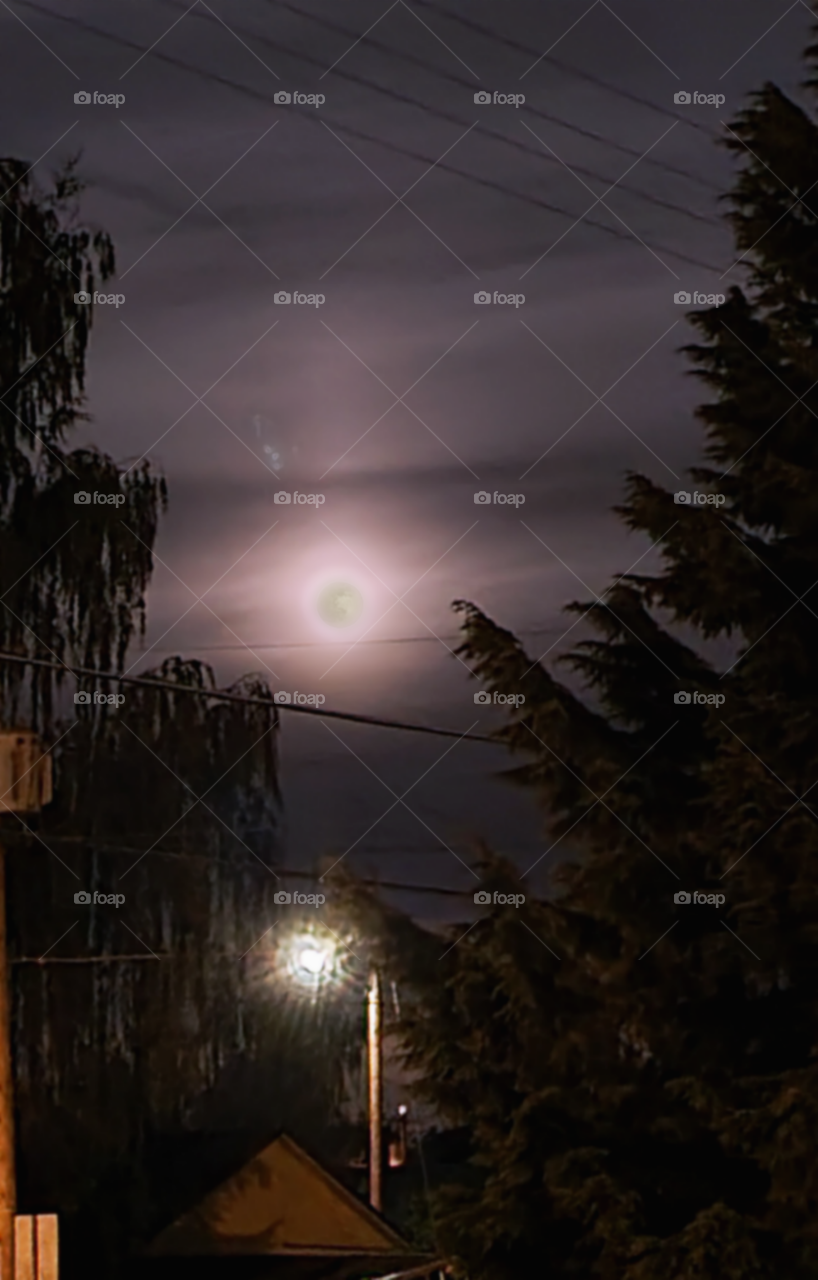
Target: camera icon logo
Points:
(83, 897)
(481, 497)
(282, 897)
(682, 499)
(82, 699)
(682, 298)
(682, 699)
(282, 297)
(282, 97)
(682, 896)
(82, 298)
(682, 98)
(482, 698)
(482, 898)
(83, 498)
(282, 498)
(482, 297)
(82, 98)
(282, 698)
(481, 97)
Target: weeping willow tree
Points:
(72, 580)
(169, 800)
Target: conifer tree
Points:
(644, 1106)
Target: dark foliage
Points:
(170, 799)
(640, 1076)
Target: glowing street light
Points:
(314, 962)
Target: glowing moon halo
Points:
(340, 604)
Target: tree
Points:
(176, 794)
(644, 1107)
(69, 585)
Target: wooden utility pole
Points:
(25, 785)
(375, 1063)
(8, 1182)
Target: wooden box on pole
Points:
(25, 772)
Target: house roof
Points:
(282, 1203)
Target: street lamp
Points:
(374, 1058)
(314, 961)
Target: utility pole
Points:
(8, 1181)
(25, 785)
(374, 1042)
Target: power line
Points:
(325, 644)
(360, 135)
(11, 835)
(440, 114)
(566, 67)
(527, 107)
(43, 960)
(283, 873)
(268, 703)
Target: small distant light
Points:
(402, 1110)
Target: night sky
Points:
(399, 397)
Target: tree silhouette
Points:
(170, 799)
(639, 1075)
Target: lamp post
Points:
(313, 963)
(8, 1181)
(374, 1055)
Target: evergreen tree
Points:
(644, 1106)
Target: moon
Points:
(340, 604)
